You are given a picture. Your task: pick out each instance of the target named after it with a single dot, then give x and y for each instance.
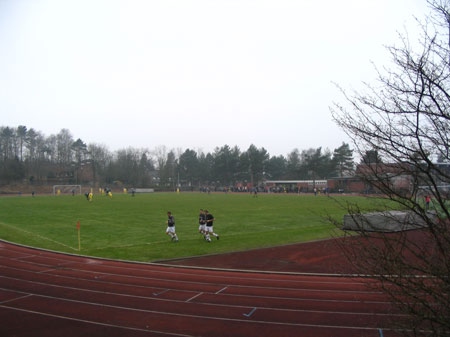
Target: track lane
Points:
(163, 300)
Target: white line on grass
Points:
(130, 245)
(38, 236)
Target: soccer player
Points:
(201, 222)
(171, 227)
(209, 228)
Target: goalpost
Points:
(66, 189)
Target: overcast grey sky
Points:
(191, 74)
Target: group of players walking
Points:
(205, 226)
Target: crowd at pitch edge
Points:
(205, 226)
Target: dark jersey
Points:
(202, 219)
(209, 219)
(171, 221)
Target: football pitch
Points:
(133, 228)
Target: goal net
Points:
(66, 189)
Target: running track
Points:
(50, 294)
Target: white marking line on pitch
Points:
(39, 236)
(130, 245)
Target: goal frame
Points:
(65, 189)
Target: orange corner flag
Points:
(79, 237)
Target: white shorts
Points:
(201, 228)
(209, 229)
(170, 229)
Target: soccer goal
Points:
(66, 189)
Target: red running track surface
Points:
(51, 294)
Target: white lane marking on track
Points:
(250, 313)
(193, 297)
(161, 292)
(97, 323)
(168, 313)
(101, 275)
(177, 314)
(16, 298)
(192, 316)
(168, 300)
(223, 278)
(221, 290)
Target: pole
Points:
(79, 236)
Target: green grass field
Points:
(133, 228)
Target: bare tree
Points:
(21, 135)
(63, 150)
(101, 159)
(405, 118)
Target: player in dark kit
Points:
(171, 227)
(201, 222)
(209, 229)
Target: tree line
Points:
(28, 156)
